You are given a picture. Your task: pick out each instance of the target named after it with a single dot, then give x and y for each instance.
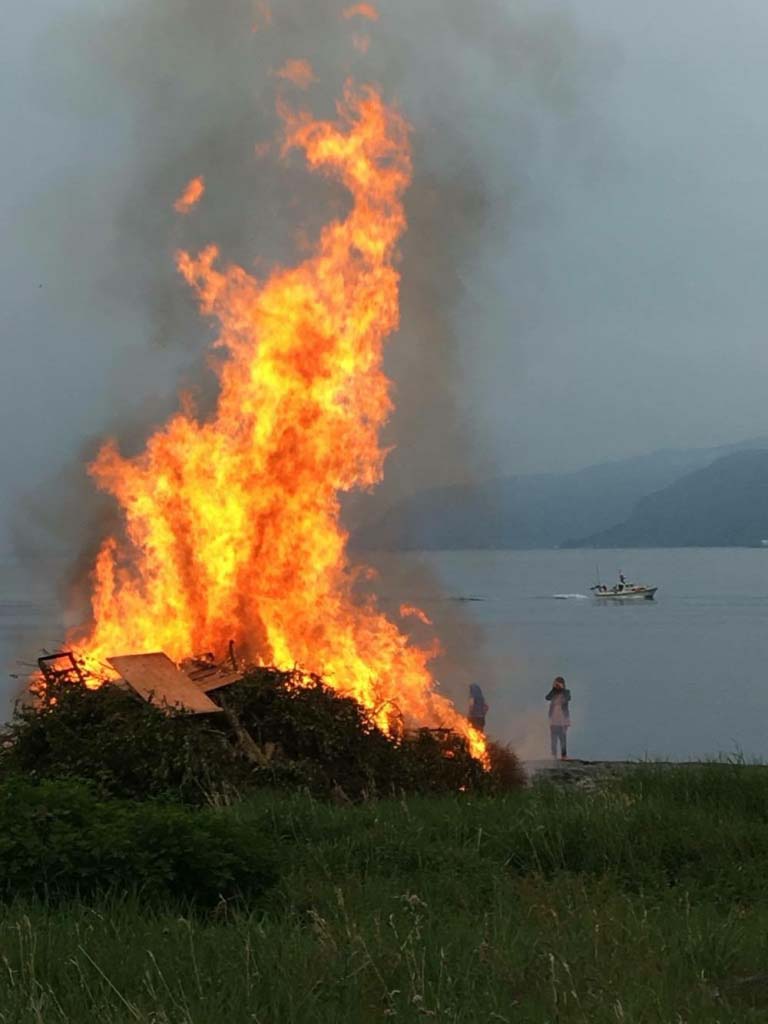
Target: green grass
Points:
(644, 901)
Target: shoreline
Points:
(583, 772)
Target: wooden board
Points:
(216, 680)
(155, 677)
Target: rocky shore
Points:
(587, 774)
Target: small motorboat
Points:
(623, 591)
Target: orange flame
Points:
(299, 72)
(191, 196)
(411, 611)
(361, 10)
(232, 523)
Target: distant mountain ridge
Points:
(724, 504)
(537, 510)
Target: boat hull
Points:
(638, 594)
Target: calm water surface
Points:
(684, 676)
(29, 620)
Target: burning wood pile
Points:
(188, 687)
(153, 677)
(234, 517)
(206, 730)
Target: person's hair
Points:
(559, 679)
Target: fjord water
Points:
(685, 676)
(30, 621)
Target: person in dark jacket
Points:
(478, 709)
(559, 716)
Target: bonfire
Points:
(231, 536)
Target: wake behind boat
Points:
(623, 591)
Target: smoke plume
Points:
(165, 93)
(187, 88)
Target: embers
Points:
(62, 667)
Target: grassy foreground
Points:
(645, 901)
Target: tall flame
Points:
(232, 523)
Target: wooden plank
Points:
(210, 681)
(207, 675)
(155, 677)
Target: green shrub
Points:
(304, 737)
(125, 746)
(506, 773)
(60, 840)
(336, 743)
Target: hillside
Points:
(533, 511)
(722, 505)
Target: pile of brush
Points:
(273, 733)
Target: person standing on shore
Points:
(559, 716)
(478, 709)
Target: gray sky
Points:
(584, 275)
(641, 296)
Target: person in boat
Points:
(559, 717)
(478, 709)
